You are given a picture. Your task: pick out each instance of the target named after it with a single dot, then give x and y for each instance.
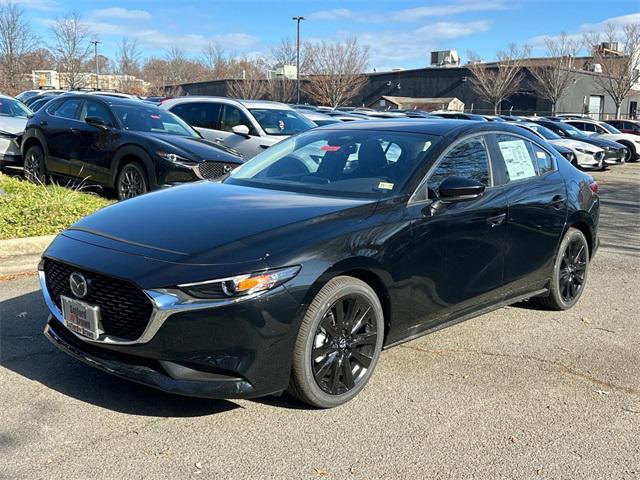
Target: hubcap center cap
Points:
(342, 343)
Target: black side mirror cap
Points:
(460, 188)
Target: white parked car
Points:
(13, 118)
(587, 155)
(27, 94)
(247, 126)
(319, 118)
(608, 132)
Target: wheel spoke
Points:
(366, 338)
(347, 374)
(360, 321)
(339, 314)
(322, 350)
(361, 358)
(328, 327)
(334, 380)
(578, 254)
(323, 368)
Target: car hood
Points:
(207, 223)
(195, 148)
(13, 125)
(615, 137)
(598, 141)
(565, 142)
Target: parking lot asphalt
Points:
(517, 393)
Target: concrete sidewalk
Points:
(21, 255)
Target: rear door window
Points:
(523, 159)
(68, 109)
(200, 114)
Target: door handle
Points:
(219, 139)
(75, 130)
(496, 220)
(264, 146)
(44, 123)
(557, 201)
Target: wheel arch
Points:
(34, 137)
(585, 225)
(365, 269)
(630, 146)
(133, 153)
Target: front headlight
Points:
(174, 157)
(582, 150)
(240, 285)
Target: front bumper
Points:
(145, 372)
(10, 153)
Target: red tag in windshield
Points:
(155, 117)
(330, 148)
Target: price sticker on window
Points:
(385, 186)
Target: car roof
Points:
(427, 126)
(267, 104)
(109, 100)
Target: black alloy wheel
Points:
(338, 344)
(131, 182)
(34, 167)
(573, 269)
(344, 344)
(570, 272)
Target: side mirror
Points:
(240, 130)
(460, 188)
(95, 121)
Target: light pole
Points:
(95, 56)
(298, 20)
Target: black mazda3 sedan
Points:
(308, 260)
(129, 145)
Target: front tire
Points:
(34, 167)
(132, 181)
(569, 272)
(338, 345)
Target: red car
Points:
(626, 126)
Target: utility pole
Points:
(95, 56)
(298, 20)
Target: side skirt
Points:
(467, 316)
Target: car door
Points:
(95, 144)
(536, 197)
(458, 246)
(248, 145)
(60, 129)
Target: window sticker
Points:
(541, 155)
(517, 159)
(385, 186)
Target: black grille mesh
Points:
(210, 170)
(124, 309)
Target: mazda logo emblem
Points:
(227, 169)
(78, 284)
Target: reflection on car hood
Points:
(13, 125)
(565, 142)
(195, 148)
(186, 224)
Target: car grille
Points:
(124, 309)
(208, 170)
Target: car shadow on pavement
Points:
(26, 351)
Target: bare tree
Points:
(215, 60)
(496, 81)
(253, 83)
(16, 42)
(128, 66)
(335, 71)
(281, 89)
(553, 78)
(71, 48)
(620, 69)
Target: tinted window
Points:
(12, 108)
(468, 159)
(204, 114)
(141, 118)
(68, 109)
(281, 122)
(233, 116)
(96, 109)
(518, 157)
(362, 163)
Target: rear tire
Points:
(338, 344)
(34, 167)
(570, 271)
(132, 181)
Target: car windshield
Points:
(573, 131)
(13, 108)
(143, 118)
(545, 132)
(609, 128)
(338, 163)
(281, 122)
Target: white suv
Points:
(247, 126)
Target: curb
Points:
(21, 255)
